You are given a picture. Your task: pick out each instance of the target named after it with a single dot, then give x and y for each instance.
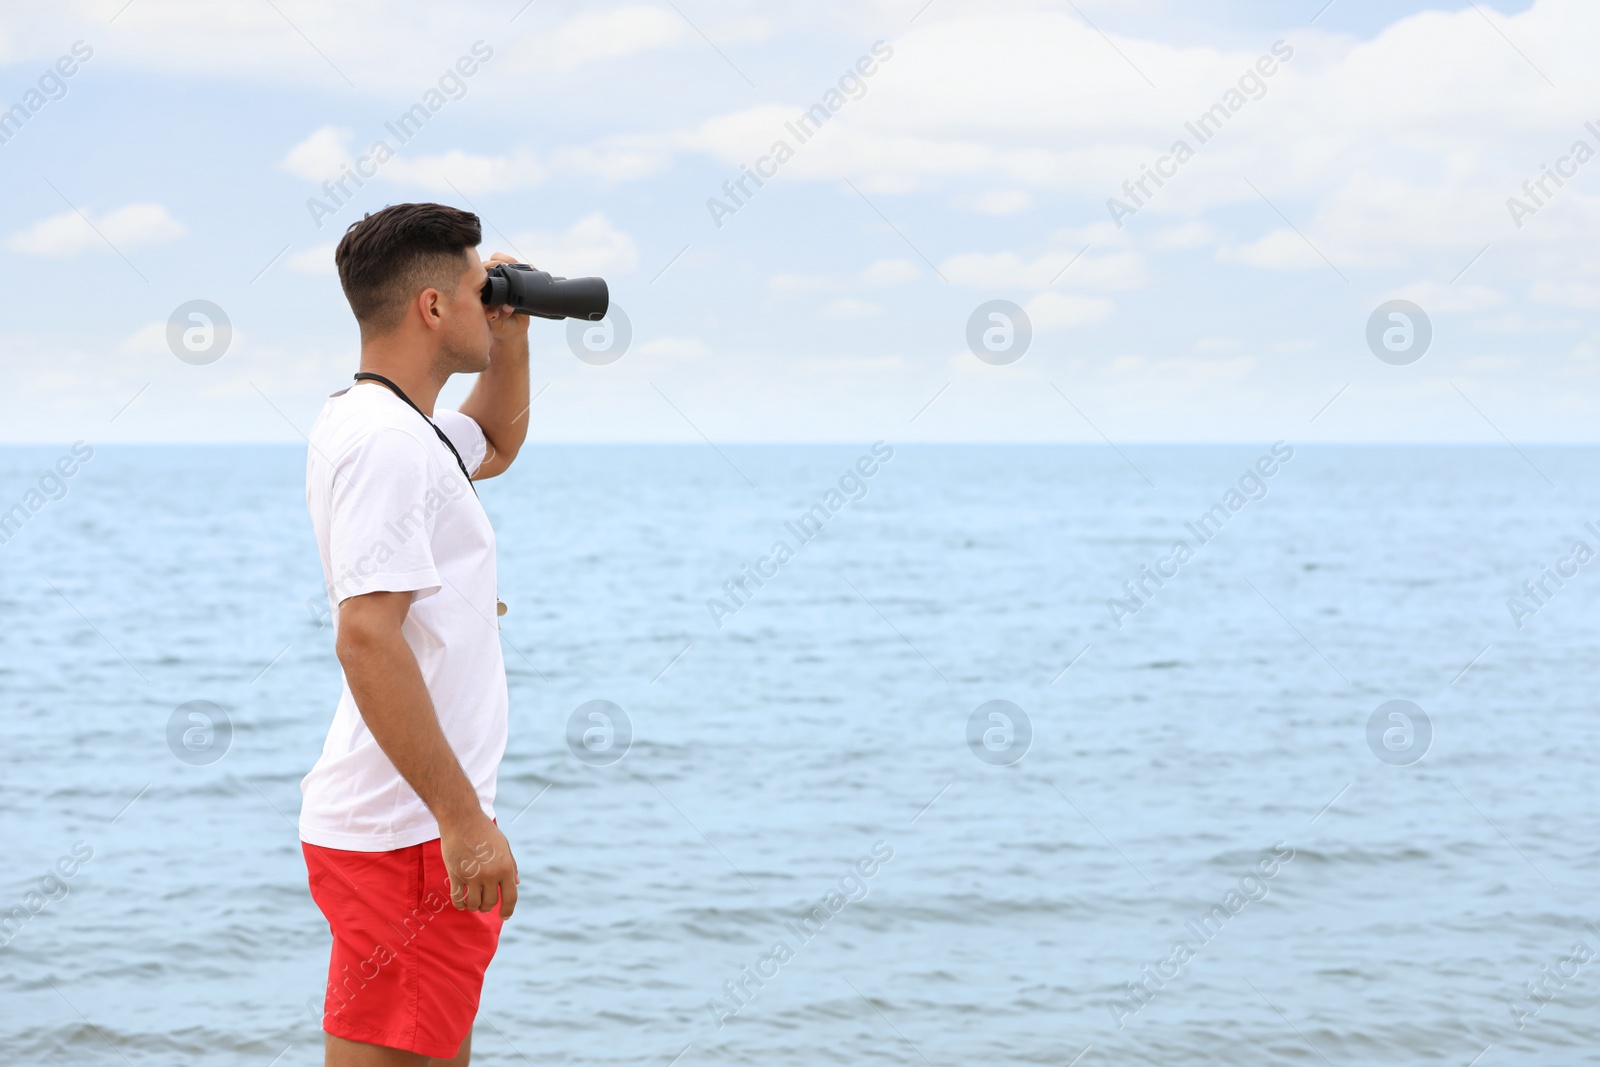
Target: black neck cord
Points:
(368, 376)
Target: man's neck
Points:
(406, 366)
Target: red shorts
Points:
(407, 967)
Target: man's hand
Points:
(482, 870)
(504, 322)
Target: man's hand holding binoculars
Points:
(506, 324)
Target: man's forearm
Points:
(393, 700)
(498, 402)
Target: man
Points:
(404, 857)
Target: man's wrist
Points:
(504, 348)
(457, 817)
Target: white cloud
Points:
(466, 170)
(1444, 142)
(1188, 235)
(619, 159)
(1370, 220)
(615, 159)
(886, 272)
(151, 340)
(1282, 249)
(319, 156)
(622, 31)
(997, 202)
(65, 235)
(592, 245)
(148, 340)
(781, 285)
(376, 47)
(1435, 297)
(1515, 322)
(325, 153)
(1054, 311)
(996, 270)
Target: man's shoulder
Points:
(356, 416)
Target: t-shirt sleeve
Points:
(465, 433)
(380, 529)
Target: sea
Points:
(1258, 753)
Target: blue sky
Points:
(973, 164)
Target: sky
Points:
(969, 158)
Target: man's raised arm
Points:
(498, 402)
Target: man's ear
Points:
(430, 302)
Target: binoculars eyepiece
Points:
(535, 292)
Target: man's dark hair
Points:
(388, 257)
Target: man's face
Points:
(467, 337)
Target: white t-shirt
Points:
(392, 512)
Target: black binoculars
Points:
(535, 292)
